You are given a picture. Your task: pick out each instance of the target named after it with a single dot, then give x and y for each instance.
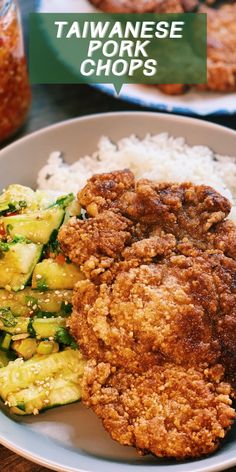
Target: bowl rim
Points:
(24, 451)
(164, 116)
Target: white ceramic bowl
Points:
(71, 438)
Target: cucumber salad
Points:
(40, 364)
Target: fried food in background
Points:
(156, 313)
(145, 6)
(221, 49)
(221, 40)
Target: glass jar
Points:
(14, 85)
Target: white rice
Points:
(162, 158)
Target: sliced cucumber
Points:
(37, 227)
(24, 302)
(46, 348)
(73, 209)
(5, 342)
(47, 328)
(15, 198)
(40, 371)
(19, 327)
(17, 265)
(24, 199)
(25, 348)
(48, 274)
(40, 328)
(35, 399)
(4, 361)
(45, 198)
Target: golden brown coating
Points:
(145, 6)
(173, 89)
(221, 52)
(182, 209)
(221, 37)
(158, 302)
(168, 410)
(181, 310)
(224, 238)
(96, 242)
(221, 48)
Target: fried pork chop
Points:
(156, 313)
(221, 48)
(145, 6)
(221, 37)
(221, 52)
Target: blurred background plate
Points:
(191, 103)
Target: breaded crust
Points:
(168, 411)
(156, 313)
(145, 6)
(221, 37)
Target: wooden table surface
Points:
(51, 104)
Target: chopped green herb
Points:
(66, 308)
(42, 284)
(4, 247)
(10, 209)
(20, 239)
(31, 329)
(53, 244)
(64, 201)
(7, 317)
(9, 228)
(63, 337)
(14, 207)
(21, 406)
(22, 204)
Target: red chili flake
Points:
(3, 233)
(60, 259)
(13, 213)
